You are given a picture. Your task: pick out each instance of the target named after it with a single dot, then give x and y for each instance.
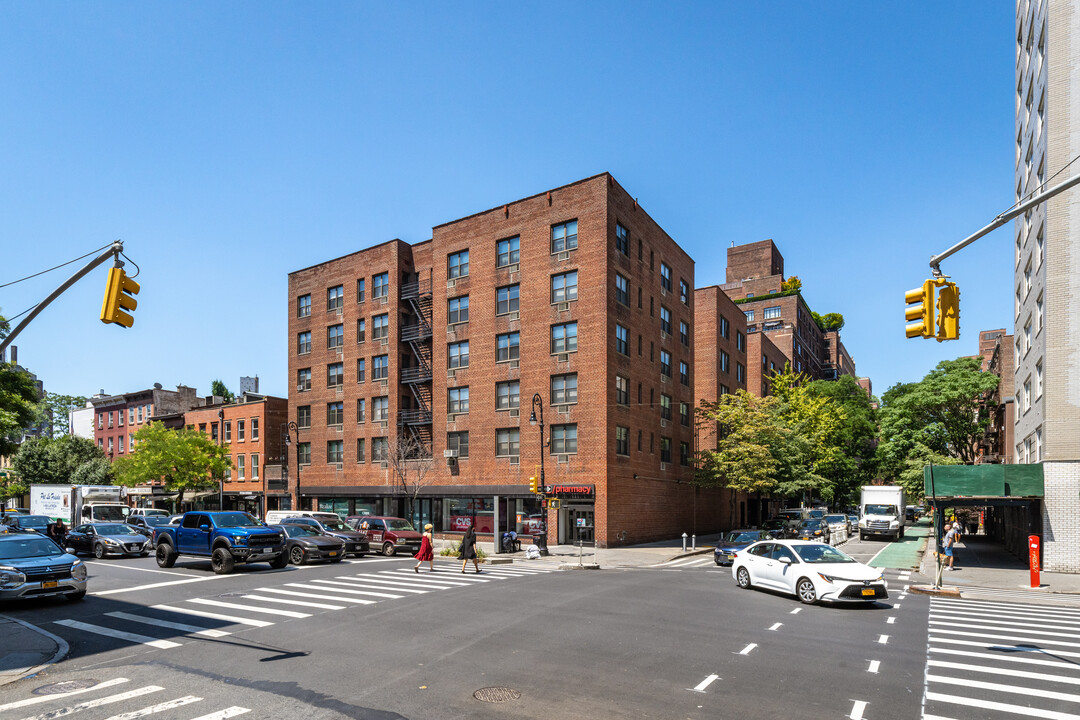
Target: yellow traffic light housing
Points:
(920, 309)
(948, 312)
(119, 298)
(534, 485)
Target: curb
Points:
(931, 590)
(62, 649)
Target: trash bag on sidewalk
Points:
(532, 553)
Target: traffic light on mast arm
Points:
(119, 292)
(948, 312)
(534, 485)
(920, 309)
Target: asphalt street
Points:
(369, 638)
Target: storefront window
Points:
(335, 505)
(461, 513)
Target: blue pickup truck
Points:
(226, 538)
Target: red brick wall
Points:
(754, 260)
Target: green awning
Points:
(984, 481)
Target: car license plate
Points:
(49, 584)
(334, 552)
(730, 557)
(868, 591)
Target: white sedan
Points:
(811, 571)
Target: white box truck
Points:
(881, 511)
(79, 503)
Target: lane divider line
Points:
(874, 665)
(776, 626)
(858, 709)
(883, 639)
(700, 687)
(746, 650)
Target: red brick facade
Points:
(118, 417)
(625, 311)
(764, 359)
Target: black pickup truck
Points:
(226, 538)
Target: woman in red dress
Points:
(426, 551)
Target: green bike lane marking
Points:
(904, 554)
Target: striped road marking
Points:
(109, 632)
(94, 703)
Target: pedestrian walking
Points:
(951, 535)
(468, 549)
(426, 551)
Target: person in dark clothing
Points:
(57, 531)
(468, 549)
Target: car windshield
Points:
(34, 521)
(743, 537)
(235, 520)
(400, 524)
(28, 547)
(156, 513)
(880, 509)
(115, 530)
(155, 520)
(835, 519)
(337, 526)
(300, 530)
(810, 524)
(822, 554)
(771, 524)
(109, 513)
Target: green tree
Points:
(11, 486)
(747, 438)
(184, 459)
(856, 437)
(62, 460)
(828, 321)
(18, 407)
(943, 412)
(56, 407)
(792, 284)
(217, 387)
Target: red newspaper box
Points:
(1033, 559)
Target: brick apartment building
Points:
(996, 349)
(575, 295)
(755, 277)
(118, 417)
(253, 427)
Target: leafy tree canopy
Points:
(943, 413)
(18, 406)
(217, 387)
(184, 459)
(855, 437)
(56, 408)
(828, 321)
(61, 460)
(792, 284)
(751, 444)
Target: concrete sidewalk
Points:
(26, 649)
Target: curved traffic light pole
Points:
(114, 250)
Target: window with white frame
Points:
(303, 343)
(240, 431)
(361, 290)
(361, 411)
(1027, 394)
(1040, 315)
(458, 354)
(361, 370)
(254, 429)
(772, 313)
(335, 374)
(335, 336)
(1027, 336)
(380, 367)
(380, 409)
(749, 315)
(564, 389)
(303, 453)
(335, 413)
(241, 467)
(335, 297)
(380, 285)
(335, 451)
(380, 449)
(254, 466)
(1039, 379)
(303, 379)
(564, 338)
(507, 299)
(563, 439)
(507, 442)
(1027, 277)
(380, 326)
(458, 441)
(303, 306)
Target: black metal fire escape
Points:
(417, 375)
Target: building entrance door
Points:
(579, 524)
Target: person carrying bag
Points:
(468, 549)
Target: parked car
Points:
(32, 565)
(356, 541)
(149, 511)
(734, 541)
(776, 527)
(390, 535)
(811, 571)
(27, 523)
(837, 523)
(103, 539)
(812, 530)
(304, 543)
(852, 524)
(145, 524)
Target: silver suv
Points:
(32, 565)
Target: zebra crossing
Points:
(993, 659)
(694, 561)
(222, 615)
(104, 695)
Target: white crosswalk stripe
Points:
(107, 700)
(1034, 597)
(290, 600)
(130, 703)
(1002, 660)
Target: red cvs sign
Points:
(1033, 559)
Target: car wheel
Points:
(296, 555)
(388, 549)
(75, 595)
(222, 561)
(280, 561)
(99, 551)
(742, 577)
(165, 556)
(806, 591)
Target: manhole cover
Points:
(64, 687)
(496, 694)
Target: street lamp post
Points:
(538, 404)
(292, 428)
(221, 443)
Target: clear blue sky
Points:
(230, 143)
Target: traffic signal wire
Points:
(28, 277)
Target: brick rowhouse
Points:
(574, 294)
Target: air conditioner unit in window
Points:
(663, 423)
(451, 418)
(514, 364)
(384, 299)
(564, 255)
(664, 335)
(663, 466)
(384, 382)
(340, 311)
(451, 283)
(513, 267)
(562, 307)
(563, 357)
(384, 424)
(384, 465)
(299, 388)
(663, 290)
(664, 378)
(449, 453)
(515, 459)
(339, 466)
(563, 459)
(515, 413)
(340, 390)
(515, 315)
(451, 374)
(340, 350)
